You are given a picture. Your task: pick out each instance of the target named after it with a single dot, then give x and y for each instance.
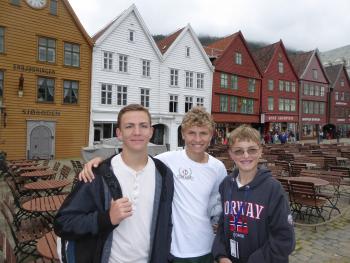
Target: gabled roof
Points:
(101, 35)
(167, 44)
(221, 46)
(77, 22)
(264, 55)
(334, 71)
(301, 61)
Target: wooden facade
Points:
(234, 62)
(46, 95)
(280, 89)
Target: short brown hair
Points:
(132, 107)
(244, 133)
(197, 116)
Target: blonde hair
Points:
(244, 133)
(197, 116)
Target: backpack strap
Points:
(105, 170)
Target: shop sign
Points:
(279, 118)
(310, 119)
(41, 112)
(33, 69)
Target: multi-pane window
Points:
(286, 104)
(293, 86)
(123, 63)
(342, 82)
(317, 90)
(188, 103)
(200, 80)
(223, 80)
(189, 79)
(287, 86)
(280, 67)
(223, 103)
(145, 97)
(53, 7)
(200, 101)
(336, 95)
(71, 55)
(233, 104)
(314, 74)
(146, 68)
(47, 49)
(280, 85)
(188, 51)
(107, 60)
(270, 103)
(247, 106)
(270, 84)
(306, 89)
(70, 91)
(122, 95)
(173, 103)
(322, 106)
(322, 91)
(1, 86)
(342, 96)
(311, 90)
(292, 105)
(238, 58)
(131, 35)
(281, 104)
(251, 85)
(311, 107)
(316, 108)
(305, 107)
(2, 39)
(15, 2)
(234, 82)
(106, 94)
(174, 77)
(46, 89)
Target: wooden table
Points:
(47, 185)
(316, 181)
(341, 160)
(36, 174)
(44, 204)
(47, 246)
(32, 168)
(23, 164)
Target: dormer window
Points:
(188, 51)
(314, 74)
(131, 35)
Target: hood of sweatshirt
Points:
(261, 176)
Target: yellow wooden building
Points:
(45, 74)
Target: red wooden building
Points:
(280, 89)
(236, 84)
(313, 87)
(339, 99)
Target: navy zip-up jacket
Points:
(264, 231)
(83, 219)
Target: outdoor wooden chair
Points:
(295, 168)
(285, 167)
(306, 200)
(65, 170)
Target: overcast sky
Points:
(301, 24)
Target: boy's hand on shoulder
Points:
(86, 174)
(119, 210)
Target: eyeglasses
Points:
(241, 151)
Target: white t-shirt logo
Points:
(185, 173)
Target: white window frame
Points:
(223, 81)
(173, 103)
(270, 84)
(238, 58)
(293, 105)
(174, 77)
(234, 82)
(270, 103)
(322, 91)
(107, 60)
(189, 79)
(293, 86)
(200, 80)
(123, 63)
(281, 104)
(122, 95)
(223, 103)
(145, 97)
(106, 93)
(131, 36)
(280, 67)
(280, 85)
(188, 52)
(146, 68)
(188, 103)
(287, 86)
(251, 85)
(314, 74)
(200, 101)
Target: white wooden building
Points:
(129, 68)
